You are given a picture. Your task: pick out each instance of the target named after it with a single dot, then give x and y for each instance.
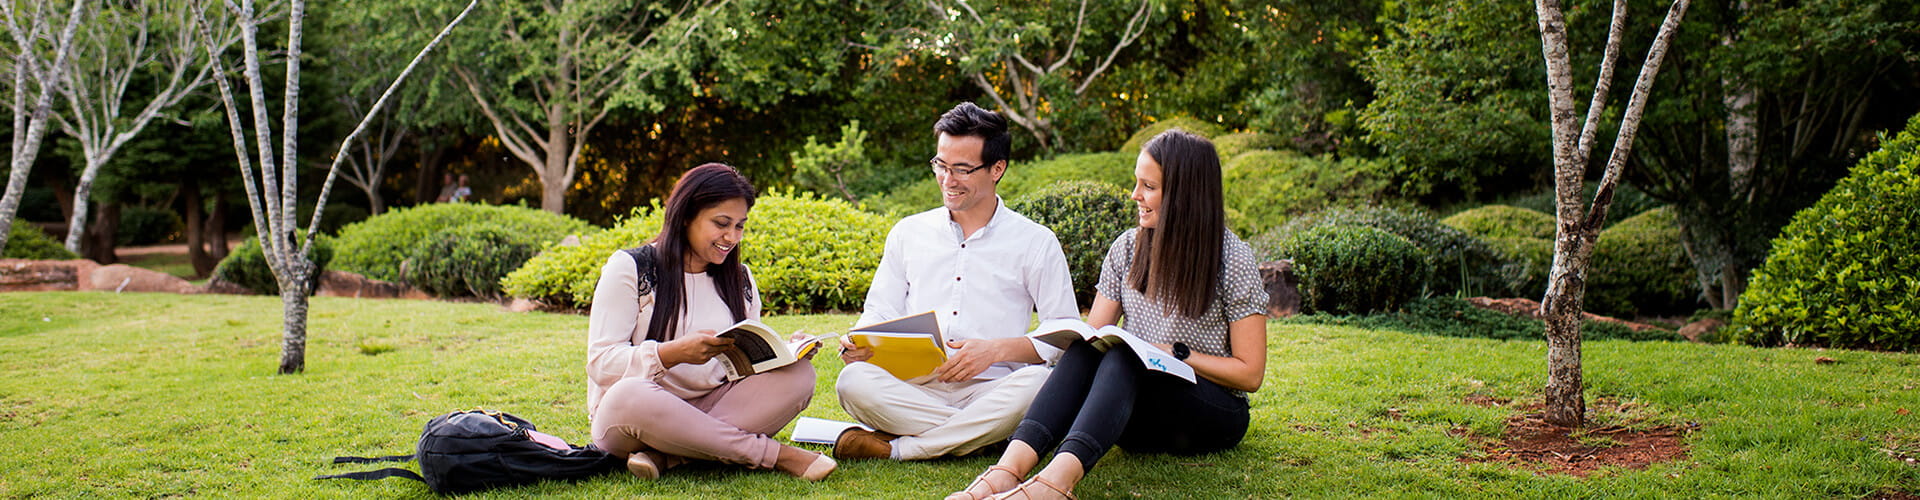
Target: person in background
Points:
(655, 393)
(447, 187)
(1183, 282)
(984, 270)
(461, 191)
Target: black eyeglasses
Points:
(960, 171)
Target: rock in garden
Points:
(125, 278)
(346, 284)
(22, 275)
(1693, 331)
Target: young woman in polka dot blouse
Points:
(1185, 283)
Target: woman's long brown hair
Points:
(1178, 263)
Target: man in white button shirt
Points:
(985, 270)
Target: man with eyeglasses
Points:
(984, 270)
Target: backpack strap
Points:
(643, 261)
(368, 460)
(376, 475)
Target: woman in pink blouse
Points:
(654, 390)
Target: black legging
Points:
(1107, 400)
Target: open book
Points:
(757, 348)
(1062, 332)
(820, 430)
(906, 347)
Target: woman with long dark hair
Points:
(1186, 284)
(655, 392)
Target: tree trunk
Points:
(82, 193)
(293, 340)
(217, 229)
(104, 235)
(203, 263)
(1563, 305)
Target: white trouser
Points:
(936, 418)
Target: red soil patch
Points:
(1532, 443)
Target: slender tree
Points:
(272, 195)
(546, 74)
(118, 45)
(1023, 63)
(36, 81)
(1578, 224)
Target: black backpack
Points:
(473, 450)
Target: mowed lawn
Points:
(149, 395)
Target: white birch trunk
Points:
(42, 81)
(1577, 225)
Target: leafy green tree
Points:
(37, 62)
(833, 168)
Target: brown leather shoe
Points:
(857, 443)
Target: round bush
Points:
(1502, 221)
(1627, 202)
(1846, 271)
(27, 241)
(908, 199)
(1086, 216)
(807, 255)
(1455, 262)
(147, 226)
(1111, 169)
(466, 261)
(1639, 268)
(1265, 188)
(1233, 145)
(1350, 269)
(1197, 126)
(375, 247)
(1525, 264)
(247, 265)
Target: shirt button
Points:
(956, 278)
(963, 245)
(956, 313)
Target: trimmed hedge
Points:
(466, 261)
(1846, 271)
(1639, 267)
(1265, 188)
(27, 241)
(1627, 202)
(1525, 264)
(807, 254)
(1455, 262)
(1086, 216)
(1190, 124)
(1233, 145)
(1352, 269)
(247, 265)
(376, 247)
(1502, 221)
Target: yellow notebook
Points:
(907, 347)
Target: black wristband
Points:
(1180, 351)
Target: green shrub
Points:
(813, 255)
(247, 265)
(1197, 126)
(568, 274)
(1455, 262)
(27, 241)
(807, 254)
(1502, 221)
(146, 226)
(1627, 202)
(1087, 216)
(1233, 145)
(1112, 169)
(466, 261)
(1639, 267)
(908, 199)
(1265, 188)
(1846, 271)
(1453, 317)
(1525, 263)
(337, 217)
(1347, 269)
(375, 247)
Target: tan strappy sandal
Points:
(1021, 490)
(968, 494)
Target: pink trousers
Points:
(732, 424)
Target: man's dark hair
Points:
(970, 120)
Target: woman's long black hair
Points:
(704, 186)
(1178, 263)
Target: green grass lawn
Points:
(150, 395)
